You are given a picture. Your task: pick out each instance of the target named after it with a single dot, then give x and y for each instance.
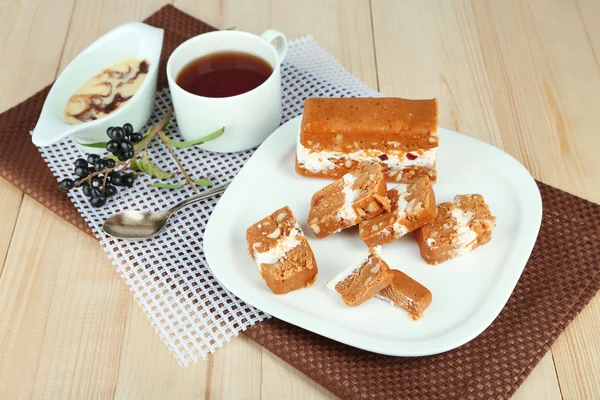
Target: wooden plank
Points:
(237, 371)
(341, 27)
(546, 104)
(436, 52)
(62, 311)
(147, 370)
(10, 202)
(31, 41)
(555, 103)
(36, 34)
(243, 15)
(91, 19)
(542, 383)
(577, 351)
(589, 10)
(282, 381)
(577, 355)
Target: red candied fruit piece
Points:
(411, 156)
(383, 157)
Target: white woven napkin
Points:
(168, 275)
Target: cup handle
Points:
(281, 43)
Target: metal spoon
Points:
(143, 225)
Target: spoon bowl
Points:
(132, 225)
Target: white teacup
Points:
(249, 117)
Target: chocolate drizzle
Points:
(95, 104)
(143, 68)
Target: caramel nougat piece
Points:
(358, 195)
(412, 206)
(459, 227)
(356, 285)
(284, 257)
(338, 134)
(406, 293)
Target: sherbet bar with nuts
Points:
(406, 293)
(412, 206)
(358, 195)
(459, 227)
(339, 134)
(279, 247)
(356, 285)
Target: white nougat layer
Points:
(320, 161)
(466, 236)
(343, 275)
(284, 245)
(347, 212)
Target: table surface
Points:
(521, 75)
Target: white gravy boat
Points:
(131, 40)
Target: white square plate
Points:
(468, 291)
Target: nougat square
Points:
(356, 285)
(406, 293)
(459, 227)
(358, 195)
(284, 257)
(412, 206)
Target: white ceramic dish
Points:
(468, 292)
(131, 40)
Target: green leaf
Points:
(184, 145)
(203, 182)
(99, 145)
(152, 169)
(133, 164)
(163, 185)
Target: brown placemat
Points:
(561, 277)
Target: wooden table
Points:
(522, 75)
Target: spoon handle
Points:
(200, 196)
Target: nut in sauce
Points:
(106, 91)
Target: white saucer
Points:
(468, 292)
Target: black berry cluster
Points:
(96, 176)
(122, 140)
